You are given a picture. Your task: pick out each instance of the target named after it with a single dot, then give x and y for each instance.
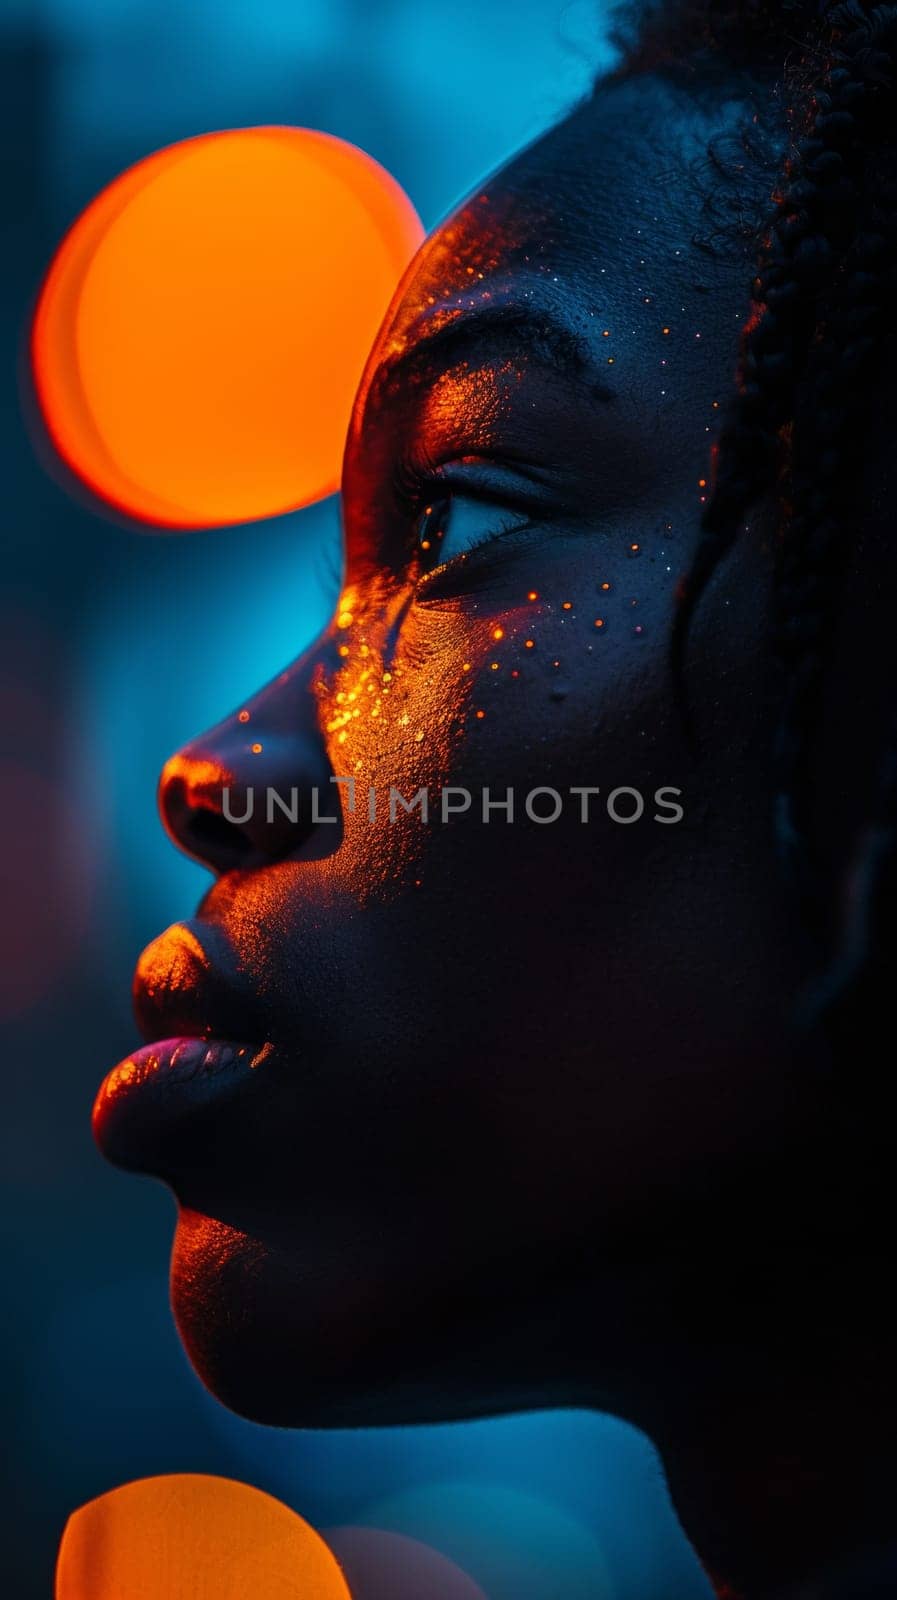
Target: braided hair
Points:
(810, 350)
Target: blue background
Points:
(115, 645)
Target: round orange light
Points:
(193, 1537)
(204, 324)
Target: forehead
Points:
(598, 221)
(607, 203)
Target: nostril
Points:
(236, 813)
(215, 839)
(200, 829)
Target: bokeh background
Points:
(115, 645)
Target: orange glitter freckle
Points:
(530, 643)
(481, 714)
(344, 649)
(425, 544)
(532, 595)
(243, 716)
(666, 330)
(599, 622)
(568, 605)
(345, 619)
(256, 749)
(702, 483)
(498, 633)
(634, 547)
(606, 333)
(494, 666)
(466, 667)
(605, 587)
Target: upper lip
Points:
(189, 982)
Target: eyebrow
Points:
(442, 333)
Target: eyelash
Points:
(427, 497)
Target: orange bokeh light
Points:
(203, 326)
(193, 1537)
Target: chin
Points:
(289, 1343)
(318, 1345)
(253, 1326)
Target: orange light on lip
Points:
(203, 326)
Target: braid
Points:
(821, 314)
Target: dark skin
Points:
(530, 1129)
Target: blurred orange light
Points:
(203, 326)
(193, 1537)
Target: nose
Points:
(256, 788)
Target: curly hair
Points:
(818, 321)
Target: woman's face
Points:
(486, 1067)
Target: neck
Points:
(777, 1428)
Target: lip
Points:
(205, 1047)
(190, 983)
(160, 1090)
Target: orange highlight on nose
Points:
(202, 329)
(192, 1537)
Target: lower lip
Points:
(162, 1085)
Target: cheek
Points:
(568, 686)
